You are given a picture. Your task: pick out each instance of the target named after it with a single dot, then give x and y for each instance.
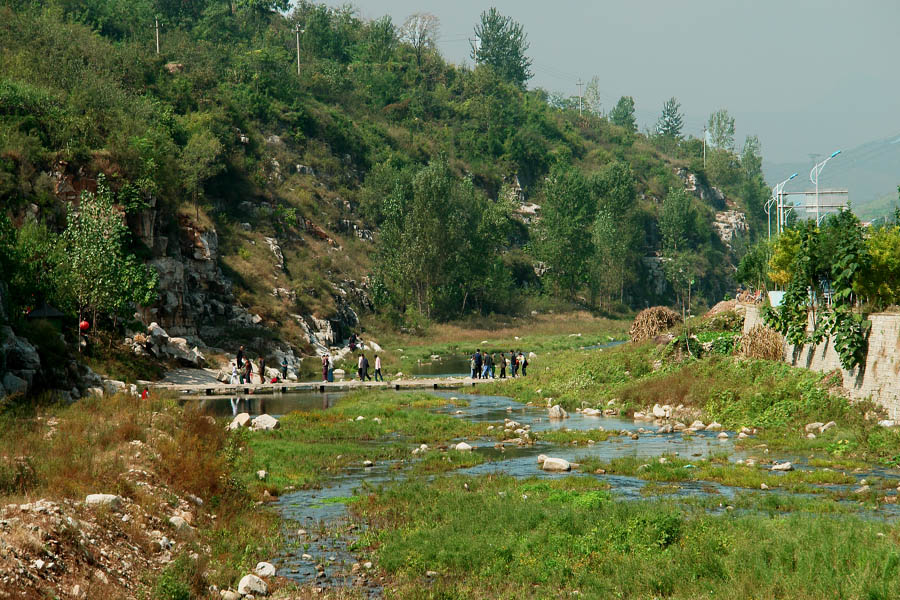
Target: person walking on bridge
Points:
(502, 366)
(378, 375)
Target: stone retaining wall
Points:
(879, 378)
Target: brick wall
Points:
(879, 378)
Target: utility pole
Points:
(476, 44)
(157, 34)
(704, 146)
(299, 31)
(580, 85)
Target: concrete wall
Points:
(879, 378)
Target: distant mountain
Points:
(871, 173)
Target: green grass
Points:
(508, 538)
(441, 462)
(716, 469)
(559, 436)
(311, 446)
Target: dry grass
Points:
(652, 321)
(762, 342)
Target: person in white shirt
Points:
(359, 368)
(378, 375)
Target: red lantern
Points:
(84, 326)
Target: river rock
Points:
(742, 436)
(264, 423)
(664, 429)
(785, 466)
(556, 464)
(110, 500)
(541, 458)
(462, 447)
(810, 436)
(241, 420)
(557, 412)
(592, 412)
(714, 426)
(722, 436)
(827, 426)
(813, 426)
(861, 490)
(698, 426)
(658, 411)
(229, 595)
(251, 584)
(264, 569)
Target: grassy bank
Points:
(538, 333)
(164, 462)
(505, 538)
(311, 446)
(737, 392)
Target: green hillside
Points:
(390, 180)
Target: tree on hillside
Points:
(420, 30)
(592, 102)
(99, 276)
(614, 264)
(623, 114)
(502, 45)
(721, 130)
(677, 220)
(564, 241)
(201, 160)
(751, 157)
(614, 188)
(670, 121)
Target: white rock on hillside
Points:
(251, 584)
(557, 412)
(242, 420)
(110, 500)
(556, 464)
(265, 569)
(264, 423)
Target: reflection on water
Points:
(276, 404)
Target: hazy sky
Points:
(806, 77)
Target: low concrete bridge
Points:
(236, 389)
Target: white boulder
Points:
(251, 584)
(785, 466)
(557, 412)
(264, 423)
(265, 569)
(810, 427)
(462, 447)
(241, 420)
(556, 464)
(110, 500)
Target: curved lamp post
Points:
(814, 178)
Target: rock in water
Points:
(556, 464)
(242, 420)
(659, 412)
(557, 412)
(541, 458)
(251, 584)
(264, 423)
(264, 569)
(714, 426)
(462, 447)
(785, 466)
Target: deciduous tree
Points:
(503, 44)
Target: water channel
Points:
(317, 526)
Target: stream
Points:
(316, 522)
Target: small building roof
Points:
(45, 311)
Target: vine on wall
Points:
(837, 256)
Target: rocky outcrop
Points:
(730, 224)
(158, 343)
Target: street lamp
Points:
(298, 31)
(776, 199)
(814, 178)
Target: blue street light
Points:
(814, 178)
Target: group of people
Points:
(362, 368)
(242, 369)
(483, 364)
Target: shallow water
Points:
(276, 404)
(312, 511)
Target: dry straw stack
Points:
(762, 342)
(651, 322)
